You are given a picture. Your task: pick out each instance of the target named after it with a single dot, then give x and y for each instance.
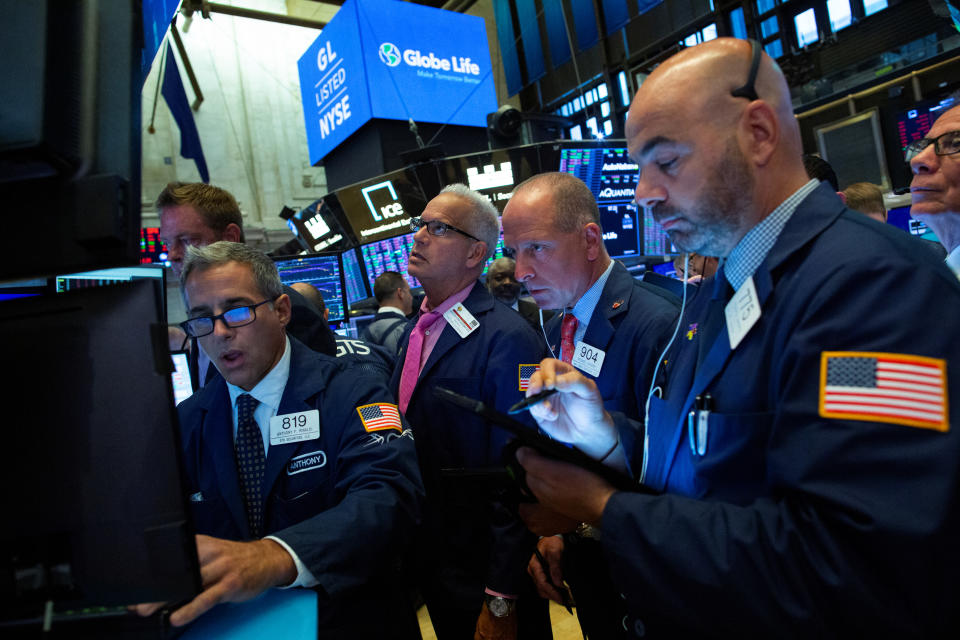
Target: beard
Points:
(713, 222)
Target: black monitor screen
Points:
(322, 270)
(353, 278)
(103, 519)
(381, 208)
(612, 177)
(391, 254)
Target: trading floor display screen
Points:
(322, 270)
(612, 177)
(353, 279)
(392, 254)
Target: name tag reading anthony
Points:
(295, 427)
(461, 320)
(588, 359)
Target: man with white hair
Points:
(474, 551)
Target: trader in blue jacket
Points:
(300, 458)
(801, 437)
(613, 328)
(473, 547)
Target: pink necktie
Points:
(411, 364)
(568, 329)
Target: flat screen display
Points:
(382, 207)
(354, 282)
(612, 177)
(913, 124)
(118, 275)
(152, 249)
(392, 254)
(322, 270)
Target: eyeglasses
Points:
(945, 144)
(233, 318)
(437, 228)
(748, 90)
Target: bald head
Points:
(714, 164)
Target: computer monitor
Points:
(104, 277)
(152, 249)
(612, 177)
(323, 271)
(182, 382)
(900, 218)
(913, 124)
(95, 512)
(392, 254)
(656, 242)
(355, 283)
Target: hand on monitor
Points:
(235, 572)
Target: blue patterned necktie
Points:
(251, 462)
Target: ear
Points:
(231, 233)
(593, 237)
(759, 132)
(477, 254)
(282, 306)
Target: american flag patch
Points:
(527, 370)
(380, 416)
(884, 387)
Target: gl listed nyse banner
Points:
(394, 60)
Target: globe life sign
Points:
(393, 60)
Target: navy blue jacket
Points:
(631, 323)
(793, 524)
(346, 502)
(491, 545)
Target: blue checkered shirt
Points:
(583, 310)
(754, 247)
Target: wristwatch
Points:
(499, 606)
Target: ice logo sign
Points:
(381, 199)
(389, 54)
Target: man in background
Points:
(197, 214)
(392, 292)
(867, 198)
(503, 284)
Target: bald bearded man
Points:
(799, 435)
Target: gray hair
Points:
(265, 273)
(484, 221)
(574, 204)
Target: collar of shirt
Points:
(756, 244)
(433, 333)
(268, 393)
(585, 306)
(953, 260)
(389, 309)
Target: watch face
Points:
(499, 607)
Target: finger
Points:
(146, 609)
(207, 599)
(540, 581)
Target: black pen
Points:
(526, 403)
(564, 594)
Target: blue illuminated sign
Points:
(394, 60)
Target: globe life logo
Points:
(390, 56)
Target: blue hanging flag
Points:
(176, 97)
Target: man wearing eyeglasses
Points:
(300, 470)
(473, 550)
(801, 440)
(935, 189)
